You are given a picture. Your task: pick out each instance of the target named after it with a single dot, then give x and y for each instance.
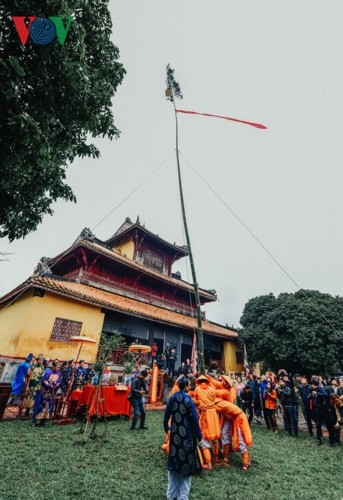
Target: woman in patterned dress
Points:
(34, 385)
(45, 396)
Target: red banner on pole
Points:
(194, 357)
(252, 124)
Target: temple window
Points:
(63, 329)
(153, 260)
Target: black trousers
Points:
(269, 416)
(248, 410)
(171, 368)
(308, 417)
(323, 418)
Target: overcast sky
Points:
(269, 61)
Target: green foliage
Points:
(129, 364)
(52, 99)
(108, 343)
(55, 462)
(301, 332)
(128, 357)
(172, 85)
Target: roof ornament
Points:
(86, 233)
(138, 221)
(42, 267)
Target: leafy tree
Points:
(108, 343)
(52, 99)
(301, 332)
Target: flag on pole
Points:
(246, 363)
(194, 356)
(257, 125)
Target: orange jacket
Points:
(270, 399)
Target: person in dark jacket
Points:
(172, 360)
(256, 391)
(263, 384)
(289, 404)
(181, 370)
(334, 388)
(304, 390)
(79, 375)
(166, 356)
(89, 374)
(320, 402)
(247, 399)
(160, 362)
(138, 390)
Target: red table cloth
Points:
(75, 395)
(108, 401)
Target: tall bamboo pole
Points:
(201, 361)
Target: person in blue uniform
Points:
(19, 382)
(45, 396)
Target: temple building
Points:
(126, 285)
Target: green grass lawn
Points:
(55, 462)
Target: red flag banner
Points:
(257, 125)
(194, 356)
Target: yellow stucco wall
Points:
(126, 247)
(230, 349)
(26, 325)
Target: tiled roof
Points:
(127, 228)
(94, 296)
(129, 262)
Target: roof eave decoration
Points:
(43, 268)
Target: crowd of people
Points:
(207, 417)
(203, 425)
(320, 401)
(39, 380)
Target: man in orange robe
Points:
(225, 386)
(235, 431)
(205, 398)
(224, 392)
